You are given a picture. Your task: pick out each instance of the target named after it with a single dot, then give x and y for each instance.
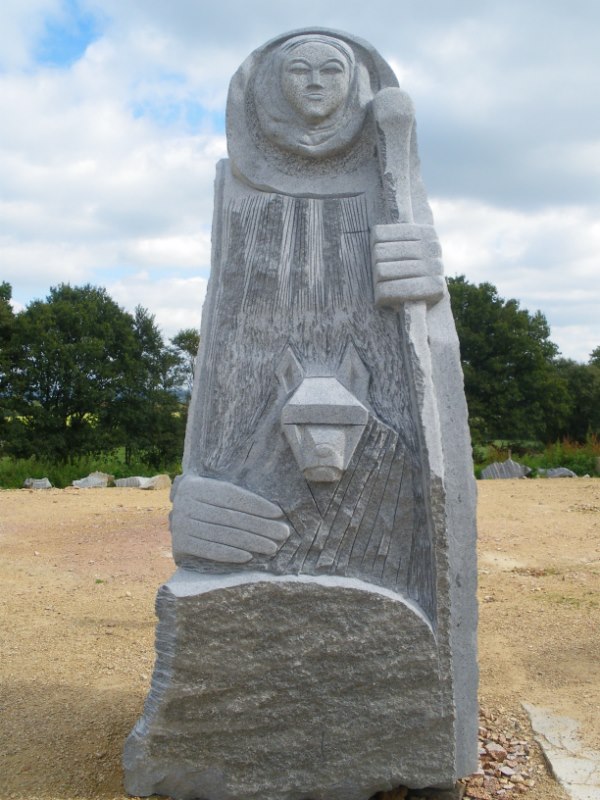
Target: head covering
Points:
(273, 147)
(283, 126)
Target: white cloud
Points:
(16, 307)
(31, 267)
(107, 165)
(22, 23)
(88, 188)
(180, 251)
(575, 341)
(546, 259)
(175, 302)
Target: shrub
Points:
(581, 458)
(13, 471)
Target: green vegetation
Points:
(85, 385)
(514, 390)
(13, 471)
(187, 342)
(580, 457)
(524, 399)
(577, 456)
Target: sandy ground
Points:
(79, 571)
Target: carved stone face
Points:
(315, 80)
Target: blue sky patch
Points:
(199, 118)
(67, 36)
(190, 115)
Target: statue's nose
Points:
(315, 78)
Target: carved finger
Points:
(211, 551)
(276, 530)
(397, 232)
(398, 251)
(227, 495)
(431, 248)
(232, 537)
(395, 292)
(400, 270)
(187, 530)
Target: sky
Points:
(113, 121)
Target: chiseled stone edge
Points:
(185, 782)
(186, 582)
(461, 531)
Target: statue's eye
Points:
(332, 68)
(298, 69)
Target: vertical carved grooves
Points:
(296, 272)
(208, 367)
(369, 527)
(286, 260)
(251, 212)
(344, 532)
(298, 246)
(259, 219)
(315, 271)
(289, 266)
(354, 250)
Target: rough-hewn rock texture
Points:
(139, 482)
(317, 671)
(505, 469)
(319, 638)
(95, 480)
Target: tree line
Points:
(81, 376)
(518, 386)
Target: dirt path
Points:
(539, 591)
(79, 573)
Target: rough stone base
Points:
(288, 689)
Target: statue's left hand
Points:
(407, 264)
(219, 521)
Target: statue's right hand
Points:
(407, 264)
(220, 521)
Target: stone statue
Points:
(318, 638)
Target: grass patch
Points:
(536, 572)
(580, 457)
(588, 601)
(13, 471)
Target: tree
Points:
(151, 419)
(595, 357)
(71, 355)
(513, 388)
(7, 322)
(186, 344)
(583, 386)
(86, 377)
(6, 312)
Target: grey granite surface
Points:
(324, 525)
